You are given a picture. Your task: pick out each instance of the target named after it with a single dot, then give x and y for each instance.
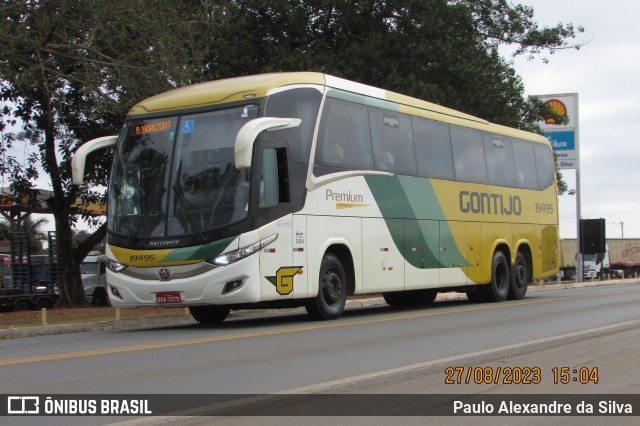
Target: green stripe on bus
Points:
(418, 236)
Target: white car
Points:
(94, 279)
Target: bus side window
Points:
(468, 154)
(392, 138)
(526, 173)
(499, 158)
(544, 165)
(274, 180)
(433, 148)
(344, 139)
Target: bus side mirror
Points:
(80, 156)
(250, 131)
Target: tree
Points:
(81, 235)
(70, 70)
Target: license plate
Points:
(172, 297)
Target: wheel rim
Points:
(331, 287)
(520, 275)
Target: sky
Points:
(604, 73)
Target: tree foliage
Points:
(70, 70)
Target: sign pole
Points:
(578, 195)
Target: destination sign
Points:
(159, 126)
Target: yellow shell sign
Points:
(556, 106)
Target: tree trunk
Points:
(70, 288)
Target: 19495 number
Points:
(143, 258)
(544, 208)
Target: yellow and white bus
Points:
(300, 189)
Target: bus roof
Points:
(261, 85)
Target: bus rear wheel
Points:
(498, 290)
(520, 278)
(332, 290)
(210, 314)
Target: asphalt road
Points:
(372, 349)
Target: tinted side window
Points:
(392, 142)
(344, 140)
(526, 175)
(544, 165)
(269, 191)
(499, 158)
(433, 148)
(297, 103)
(468, 154)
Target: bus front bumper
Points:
(181, 286)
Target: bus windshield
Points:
(175, 175)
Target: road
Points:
(372, 349)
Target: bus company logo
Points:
(283, 280)
(487, 203)
(557, 107)
(345, 200)
(164, 274)
(23, 405)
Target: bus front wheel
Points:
(210, 314)
(332, 290)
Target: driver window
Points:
(274, 186)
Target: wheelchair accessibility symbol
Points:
(187, 126)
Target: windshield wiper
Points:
(184, 204)
(138, 225)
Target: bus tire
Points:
(209, 314)
(332, 290)
(520, 278)
(410, 298)
(394, 298)
(498, 289)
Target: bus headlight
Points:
(242, 252)
(115, 266)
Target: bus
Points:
(302, 189)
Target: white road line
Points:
(333, 384)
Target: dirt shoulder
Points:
(74, 315)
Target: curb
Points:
(47, 330)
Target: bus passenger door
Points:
(277, 270)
